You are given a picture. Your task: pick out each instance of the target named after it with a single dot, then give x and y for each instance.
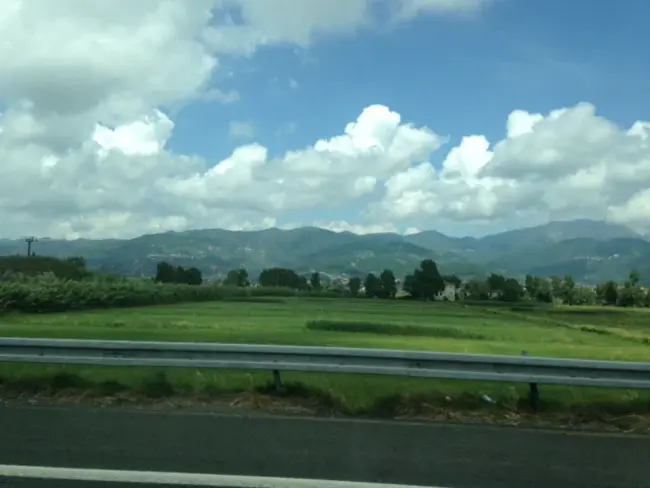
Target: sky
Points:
(122, 118)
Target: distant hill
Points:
(555, 232)
(590, 259)
(432, 239)
(591, 251)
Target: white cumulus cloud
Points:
(87, 90)
(569, 163)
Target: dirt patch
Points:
(305, 403)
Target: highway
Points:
(430, 454)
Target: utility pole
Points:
(29, 240)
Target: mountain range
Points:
(591, 251)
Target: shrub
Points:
(38, 265)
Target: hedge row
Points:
(48, 294)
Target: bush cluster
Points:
(51, 294)
(70, 269)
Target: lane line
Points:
(187, 479)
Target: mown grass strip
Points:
(545, 317)
(253, 299)
(392, 329)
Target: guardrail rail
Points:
(477, 367)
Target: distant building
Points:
(451, 293)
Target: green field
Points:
(594, 333)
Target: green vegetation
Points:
(392, 329)
(282, 277)
(38, 295)
(166, 273)
(68, 269)
(392, 324)
(495, 315)
(49, 294)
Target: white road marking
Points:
(187, 479)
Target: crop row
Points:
(48, 294)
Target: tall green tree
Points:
(410, 285)
(388, 284)
(282, 277)
(187, 276)
(556, 286)
(583, 295)
(511, 290)
(237, 277)
(194, 276)
(354, 285)
(165, 273)
(477, 289)
(538, 288)
(544, 290)
(372, 286)
(634, 278)
(530, 284)
(314, 281)
(631, 294)
(496, 284)
(425, 282)
(567, 289)
(608, 292)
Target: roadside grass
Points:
(343, 323)
(345, 395)
(270, 322)
(628, 323)
(392, 329)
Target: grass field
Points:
(616, 334)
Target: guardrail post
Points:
(534, 391)
(277, 380)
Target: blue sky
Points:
(86, 115)
(457, 76)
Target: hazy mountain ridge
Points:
(591, 251)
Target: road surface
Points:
(447, 455)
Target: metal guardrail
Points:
(533, 370)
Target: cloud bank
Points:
(85, 121)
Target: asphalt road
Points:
(454, 456)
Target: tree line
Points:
(426, 283)
(166, 273)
